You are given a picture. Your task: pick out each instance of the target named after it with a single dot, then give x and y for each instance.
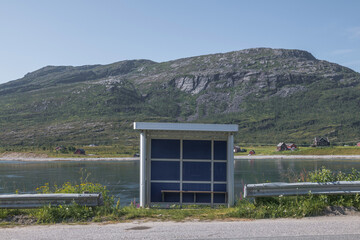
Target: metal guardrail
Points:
(293, 189)
(38, 200)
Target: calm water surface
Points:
(122, 178)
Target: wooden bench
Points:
(194, 192)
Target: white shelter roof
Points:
(186, 127)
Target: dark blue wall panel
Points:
(165, 170)
(192, 171)
(196, 171)
(219, 171)
(165, 148)
(219, 198)
(196, 187)
(170, 197)
(196, 149)
(188, 198)
(219, 187)
(220, 150)
(203, 198)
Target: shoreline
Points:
(49, 159)
(89, 159)
(298, 157)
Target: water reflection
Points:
(122, 178)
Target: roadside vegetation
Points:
(271, 207)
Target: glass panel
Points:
(220, 150)
(196, 149)
(219, 171)
(196, 171)
(156, 195)
(165, 148)
(165, 170)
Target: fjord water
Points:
(122, 177)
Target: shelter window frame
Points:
(183, 161)
(187, 131)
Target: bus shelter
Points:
(186, 163)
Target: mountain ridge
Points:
(287, 94)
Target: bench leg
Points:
(212, 199)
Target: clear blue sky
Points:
(80, 32)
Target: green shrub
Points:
(326, 175)
(73, 212)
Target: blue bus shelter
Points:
(186, 163)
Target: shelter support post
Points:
(143, 169)
(230, 170)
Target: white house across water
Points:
(186, 163)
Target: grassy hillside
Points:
(273, 94)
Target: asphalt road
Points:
(339, 227)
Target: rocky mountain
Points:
(273, 94)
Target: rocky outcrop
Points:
(192, 84)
